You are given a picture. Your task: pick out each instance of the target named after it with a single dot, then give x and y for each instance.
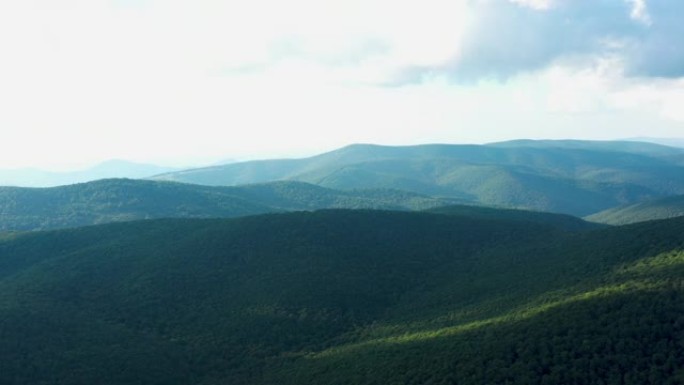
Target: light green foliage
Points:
(669, 207)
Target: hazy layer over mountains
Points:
(29, 177)
(672, 142)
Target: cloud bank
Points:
(170, 79)
(511, 37)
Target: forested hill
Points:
(560, 221)
(573, 177)
(124, 199)
(669, 207)
(343, 297)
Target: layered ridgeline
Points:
(124, 200)
(343, 297)
(573, 177)
(669, 207)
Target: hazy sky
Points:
(173, 81)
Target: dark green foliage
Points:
(573, 177)
(669, 207)
(344, 297)
(116, 200)
(561, 221)
(591, 314)
(633, 338)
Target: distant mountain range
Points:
(340, 297)
(573, 177)
(672, 142)
(29, 177)
(115, 200)
(579, 178)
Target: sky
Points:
(190, 82)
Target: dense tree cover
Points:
(562, 221)
(669, 207)
(353, 297)
(572, 177)
(115, 200)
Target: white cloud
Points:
(535, 4)
(182, 38)
(639, 11)
(163, 80)
(511, 37)
(663, 97)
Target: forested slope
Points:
(353, 297)
(115, 200)
(669, 207)
(561, 221)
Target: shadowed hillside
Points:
(343, 297)
(28, 177)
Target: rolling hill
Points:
(125, 199)
(343, 297)
(572, 177)
(669, 207)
